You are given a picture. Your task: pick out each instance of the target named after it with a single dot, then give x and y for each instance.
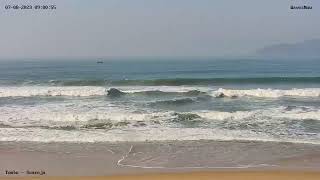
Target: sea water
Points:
(160, 99)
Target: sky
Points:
(156, 28)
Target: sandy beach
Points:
(160, 160)
(230, 175)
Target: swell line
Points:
(173, 81)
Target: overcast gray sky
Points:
(102, 28)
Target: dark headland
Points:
(308, 48)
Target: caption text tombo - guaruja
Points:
(27, 172)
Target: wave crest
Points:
(270, 93)
(29, 91)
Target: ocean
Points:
(160, 99)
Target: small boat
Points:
(99, 62)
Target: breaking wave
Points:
(269, 93)
(58, 123)
(59, 114)
(29, 91)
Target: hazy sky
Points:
(102, 28)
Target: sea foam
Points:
(58, 122)
(270, 93)
(29, 91)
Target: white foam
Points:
(134, 135)
(59, 114)
(272, 93)
(78, 113)
(218, 115)
(133, 89)
(263, 114)
(139, 135)
(298, 114)
(27, 91)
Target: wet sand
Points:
(216, 158)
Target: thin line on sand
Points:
(119, 163)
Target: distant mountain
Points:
(308, 48)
